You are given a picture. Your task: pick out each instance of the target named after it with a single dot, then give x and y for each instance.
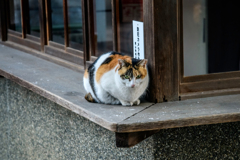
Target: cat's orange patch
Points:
(86, 74)
(143, 72)
(111, 65)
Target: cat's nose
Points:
(133, 85)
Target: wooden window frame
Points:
(213, 84)
(163, 36)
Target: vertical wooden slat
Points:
(115, 24)
(180, 40)
(11, 15)
(91, 28)
(43, 29)
(161, 43)
(65, 15)
(48, 19)
(86, 49)
(25, 17)
(3, 18)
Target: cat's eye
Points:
(139, 76)
(126, 77)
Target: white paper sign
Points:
(138, 40)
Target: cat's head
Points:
(132, 72)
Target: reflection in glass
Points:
(15, 15)
(103, 27)
(211, 36)
(128, 11)
(34, 18)
(57, 21)
(75, 24)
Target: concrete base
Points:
(33, 127)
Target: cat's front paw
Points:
(137, 102)
(124, 103)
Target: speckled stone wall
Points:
(33, 127)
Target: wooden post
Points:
(25, 18)
(3, 19)
(48, 20)
(161, 48)
(127, 140)
(43, 29)
(85, 32)
(65, 13)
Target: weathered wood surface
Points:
(64, 86)
(185, 113)
(47, 57)
(210, 85)
(204, 94)
(61, 85)
(126, 140)
(64, 55)
(161, 31)
(3, 20)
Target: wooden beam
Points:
(91, 28)
(86, 49)
(126, 140)
(25, 18)
(115, 25)
(65, 14)
(43, 29)
(161, 48)
(3, 19)
(48, 19)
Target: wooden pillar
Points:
(3, 19)
(65, 13)
(161, 31)
(43, 29)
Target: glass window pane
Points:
(15, 15)
(75, 24)
(128, 11)
(57, 21)
(34, 18)
(211, 36)
(103, 26)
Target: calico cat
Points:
(115, 78)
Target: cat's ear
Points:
(142, 63)
(121, 63)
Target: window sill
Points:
(64, 87)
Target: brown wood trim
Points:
(47, 57)
(25, 17)
(43, 25)
(213, 76)
(48, 19)
(93, 58)
(15, 33)
(56, 45)
(212, 93)
(115, 21)
(33, 38)
(210, 85)
(25, 42)
(180, 40)
(3, 19)
(91, 28)
(65, 15)
(161, 31)
(64, 55)
(85, 32)
(127, 140)
(74, 51)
